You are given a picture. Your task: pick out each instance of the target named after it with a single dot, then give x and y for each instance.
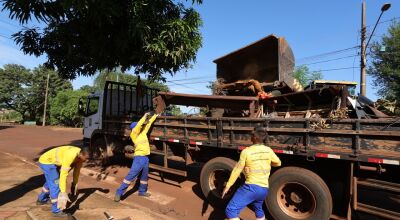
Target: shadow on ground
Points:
(5, 126)
(20, 190)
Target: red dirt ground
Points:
(30, 141)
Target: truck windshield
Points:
(92, 106)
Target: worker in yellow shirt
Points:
(140, 161)
(256, 161)
(54, 189)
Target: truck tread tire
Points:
(299, 192)
(213, 196)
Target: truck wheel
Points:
(297, 193)
(213, 177)
(100, 150)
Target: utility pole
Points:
(45, 100)
(363, 48)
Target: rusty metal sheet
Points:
(267, 60)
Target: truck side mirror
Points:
(81, 109)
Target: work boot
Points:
(145, 194)
(38, 202)
(117, 198)
(62, 215)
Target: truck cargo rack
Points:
(377, 185)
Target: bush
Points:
(10, 116)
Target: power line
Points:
(385, 21)
(343, 68)
(1, 35)
(318, 56)
(190, 83)
(357, 43)
(329, 53)
(325, 61)
(189, 79)
(185, 87)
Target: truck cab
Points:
(92, 114)
(108, 113)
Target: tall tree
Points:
(82, 37)
(305, 76)
(23, 90)
(14, 81)
(385, 65)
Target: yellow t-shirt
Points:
(63, 156)
(256, 161)
(139, 138)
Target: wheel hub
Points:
(296, 200)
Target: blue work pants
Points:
(51, 186)
(245, 195)
(139, 164)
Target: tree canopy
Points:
(305, 76)
(81, 37)
(23, 90)
(385, 65)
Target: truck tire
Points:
(101, 150)
(297, 193)
(213, 177)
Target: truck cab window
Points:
(92, 106)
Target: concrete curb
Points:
(31, 216)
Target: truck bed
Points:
(366, 140)
(349, 139)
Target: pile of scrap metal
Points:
(256, 81)
(388, 107)
(331, 101)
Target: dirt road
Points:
(177, 198)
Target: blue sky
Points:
(312, 27)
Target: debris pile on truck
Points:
(263, 71)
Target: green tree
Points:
(88, 89)
(385, 65)
(14, 79)
(305, 76)
(173, 110)
(24, 90)
(64, 108)
(104, 76)
(81, 37)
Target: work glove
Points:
(74, 189)
(62, 200)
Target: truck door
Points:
(92, 116)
